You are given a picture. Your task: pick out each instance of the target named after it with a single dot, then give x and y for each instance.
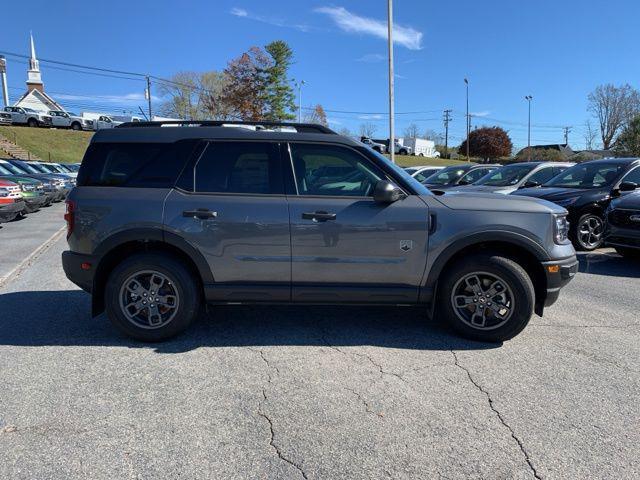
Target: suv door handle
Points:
(201, 213)
(319, 216)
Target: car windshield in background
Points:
(4, 171)
(29, 168)
(411, 170)
(12, 168)
(446, 176)
(419, 188)
(73, 168)
(30, 110)
(588, 175)
(506, 176)
(63, 168)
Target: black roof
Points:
(169, 132)
(622, 161)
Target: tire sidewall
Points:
(183, 281)
(576, 242)
(512, 273)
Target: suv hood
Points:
(554, 194)
(629, 201)
(496, 203)
(486, 189)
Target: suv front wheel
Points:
(487, 297)
(151, 297)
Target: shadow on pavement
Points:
(62, 318)
(610, 264)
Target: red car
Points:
(11, 202)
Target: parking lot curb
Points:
(27, 262)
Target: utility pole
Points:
(466, 82)
(392, 143)
(528, 98)
(3, 80)
(148, 94)
(447, 119)
(299, 85)
(566, 134)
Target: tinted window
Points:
(544, 175)
(588, 175)
(447, 175)
(333, 170)
(474, 175)
(506, 176)
(153, 165)
(239, 167)
(633, 176)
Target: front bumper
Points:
(622, 237)
(72, 264)
(559, 273)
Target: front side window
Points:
(446, 176)
(543, 176)
(633, 176)
(474, 175)
(506, 176)
(588, 175)
(333, 171)
(239, 167)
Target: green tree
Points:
(244, 94)
(318, 115)
(628, 142)
(488, 143)
(278, 94)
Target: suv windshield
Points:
(588, 175)
(446, 175)
(505, 176)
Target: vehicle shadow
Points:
(608, 263)
(61, 318)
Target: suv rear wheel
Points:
(151, 297)
(487, 297)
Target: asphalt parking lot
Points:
(291, 392)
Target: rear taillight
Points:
(69, 216)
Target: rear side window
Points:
(150, 165)
(239, 167)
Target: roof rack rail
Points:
(300, 127)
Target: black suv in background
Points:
(586, 190)
(623, 225)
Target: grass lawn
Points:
(64, 146)
(411, 161)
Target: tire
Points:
(505, 276)
(403, 152)
(76, 126)
(32, 122)
(421, 154)
(588, 232)
(178, 282)
(630, 253)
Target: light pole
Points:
(528, 98)
(392, 146)
(466, 82)
(299, 87)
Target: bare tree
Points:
(437, 138)
(411, 131)
(345, 132)
(590, 135)
(368, 129)
(317, 115)
(194, 96)
(613, 107)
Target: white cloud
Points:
(374, 116)
(372, 58)
(127, 98)
(275, 21)
(350, 22)
(483, 113)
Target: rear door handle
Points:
(319, 216)
(201, 213)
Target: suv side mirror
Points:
(386, 192)
(531, 184)
(627, 186)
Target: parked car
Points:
(586, 190)
(378, 147)
(227, 215)
(28, 116)
(49, 184)
(58, 184)
(512, 177)
(458, 175)
(11, 202)
(623, 225)
(60, 168)
(32, 191)
(422, 173)
(100, 121)
(5, 118)
(61, 119)
(47, 167)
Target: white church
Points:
(35, 97)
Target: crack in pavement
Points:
(499, 415)
(366, 404)
(264, 415)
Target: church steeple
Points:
(34, 79)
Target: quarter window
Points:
(333, 171)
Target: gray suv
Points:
(165, 220)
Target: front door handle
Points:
(319, 216)
(201, 213)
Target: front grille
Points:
(622, 218)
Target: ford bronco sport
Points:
(164, 220)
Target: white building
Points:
(35, 96)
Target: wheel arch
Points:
(119, 246)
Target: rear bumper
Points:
(72, 264)
(559, 273)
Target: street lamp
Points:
(528, 98)
(392, 146)
(466, 82)
(299, 87)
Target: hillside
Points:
(65, 146)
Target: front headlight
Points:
(560, 229)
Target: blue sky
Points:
(557, 51)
